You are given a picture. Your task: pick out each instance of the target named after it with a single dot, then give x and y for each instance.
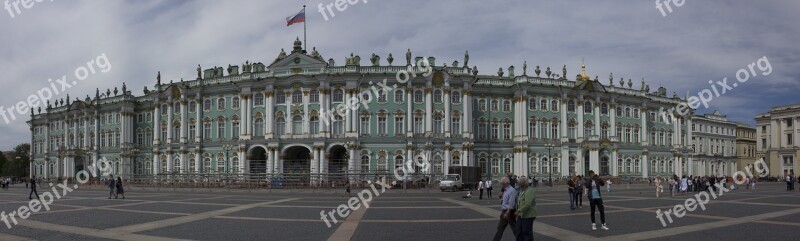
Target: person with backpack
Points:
(592, 185)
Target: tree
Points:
(3, 162)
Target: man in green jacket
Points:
(526, 211)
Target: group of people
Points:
(790, 180)
(5, 182)
(517, 207)
(115, 187)
(579, 185)
(684, 184)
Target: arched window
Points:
(221, 104)
(482, 164)
(636, 113)
(220, 164)
(176, 165)
(221, 128)
(437, 164)
(280, 97)
(418, 96)
(192, 107)
(507, 165)
(532, 104)
(543, 105)
(314, 125)
(259, 127)
(587, 107)
(571, 106)
(604, 109)
(398, 96)
(280, 126)
(495, 166)
(235, 102)
(533, 164)
(206, 105)
(235, 162)
(495, 105)
(398, 163)
(455, 97)
(365, 162)
(192, 165)
(258, 99)
(437, 96)
(338, 95)
(297, 97)
(206, 165)
(313, 97)
(507, 106)
(545, 165)
(297, 125)
(554, 105)
(456, 159)
(381, 96)
(555, 165)
(619, 112)
(482, 104)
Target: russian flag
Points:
(297, 18)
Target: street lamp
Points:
(549, 147)
(227, 149)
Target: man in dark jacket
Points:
(33, 188)
(592, 185)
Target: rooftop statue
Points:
(408, 57)
(390, 59)
(548, 72)
(466, 58)
(564, 70)
(537, 71)
(525, 68)
(375, 59)
(199, 75)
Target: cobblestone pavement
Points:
(766, 213)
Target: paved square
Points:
(766, 213)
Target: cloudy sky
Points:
(697, 42)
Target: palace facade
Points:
(277, 119)
(777, 139)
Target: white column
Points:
(409, 112)
(645, 166)
(289, 114)
(198, 126)
(428, 110)
(596, 112)
(349, 113)
(323, 164)
(613, 124)
(579, 166)
(86, 140)
(269, 115)
(156, 125)
(447, 119)
(156, 163)
(612, 164)
(446, 161)
(169, 124)
(579, 135)
(643, 132)
(466, 121)
(170, 162)
(184, 123)
(198, 160)
(243, 117)
(594, 160)
(184, 163)
(564, 129)
(306, 121)
(323, 105)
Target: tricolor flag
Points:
(297, 18)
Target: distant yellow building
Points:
(745, 146)
(777, 139)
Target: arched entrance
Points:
(586, 163)
(296, 160)
(337, 162)
(258, 160)
(80, 165)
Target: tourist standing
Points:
(571, 192)
(579, 192)
(119, 188)
(488, 188)
(508, 208)
(111, 185)
(592, 185)
(608, 185)
(684, 185)
(657, 182)
(33, 188)
(481, 187)
(526, 211)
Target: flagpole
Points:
(305, 41)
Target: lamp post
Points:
(227, 149)
(549, 147)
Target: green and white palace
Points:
(276, 120)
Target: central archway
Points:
(258, 160)
(337, 162)
(296, 160)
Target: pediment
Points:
(297, 60)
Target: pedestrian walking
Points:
(657, 183)
(111, 185)
(571, 192)
(593, 184)
(347, 190)
(33, 188)
(488, 188)
(508, 208)
(481, 187)
(579, 192)
(608, 185)
(526, 211)
(120, 191)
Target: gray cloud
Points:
(700, 41)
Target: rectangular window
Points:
(382, 125)
(235, 130)
(507, 131)
(398, 96)
(220, 129)
(314, 96)
(365, 125)
(398, 125)
(418, 125)
(482, 131)
(456, 125)
(495, 131)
